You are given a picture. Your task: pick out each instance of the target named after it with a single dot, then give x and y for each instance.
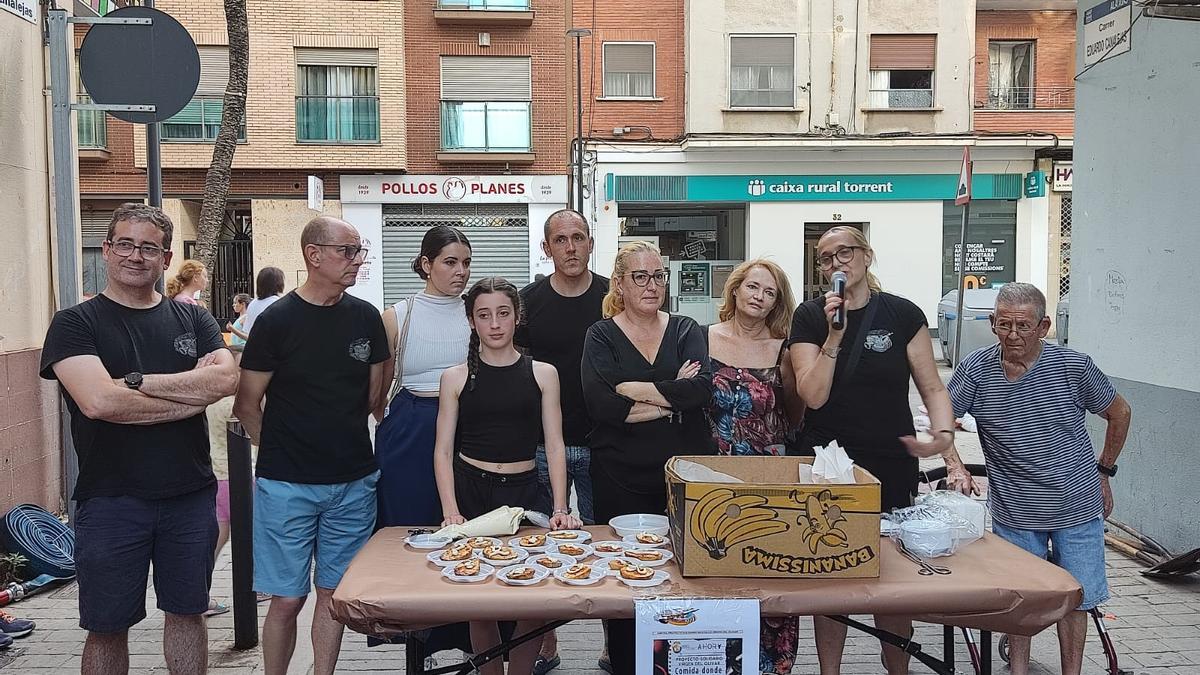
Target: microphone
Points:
(839, 287)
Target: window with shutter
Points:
(629, 70)
(337, 95)
(486, 103)
(902, 69)
(762, 71)
(91, 132)
(200, 119)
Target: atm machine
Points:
(696, 287)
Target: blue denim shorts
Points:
(297, 522)
(579, 474)
(1079, 550)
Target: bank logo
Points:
(454, 189)
(757, 187)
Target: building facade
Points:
(1136, 234)
(31, 416)
(803, 116)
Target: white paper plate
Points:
(427, 541)
(599, 571)
(581, 536)
(485, 571)
(522, 554)
(608, 554)
(516, 541)
(660, 576)
(539, 574)
(566, 560)
(631, 539)
(666, 555)
(435, 557)
(493, 541)
(587, 550)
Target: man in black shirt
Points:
(317, 356)
(137, 371)
(558, 310)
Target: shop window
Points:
(486, 104)
(1010, 75)
(337, 96)
(762, 71)
(902, 68)
(629, 70)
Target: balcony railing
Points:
(901, 98)
(1029, 98)
(92, 132)
(486, 5)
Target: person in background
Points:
(436, 338)
(268, 287)
(646, 381)
(237, 327)
(855, 383)
(493, 410)
(189, 281)
(754, 401)
(316, 357)
(1046, 491)
(137, 371)
(558, 310)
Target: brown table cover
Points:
(390, 588)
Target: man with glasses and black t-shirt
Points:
(317, 356)
(558, 311)
(137, 371)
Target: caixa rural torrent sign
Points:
(26, 9)
(443, 189)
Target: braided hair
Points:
(487, 285)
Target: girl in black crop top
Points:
(492, 411)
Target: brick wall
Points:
(1054, 68)
(544, 42)
(632, 21)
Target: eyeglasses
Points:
(843, 255)
(1020, 328)
(348, 251)
(641, 278)
(126, 248)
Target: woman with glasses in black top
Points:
(646, 381)
(492, 413)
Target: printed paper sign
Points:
(686, 636)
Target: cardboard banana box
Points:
(767, 526)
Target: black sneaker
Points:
(14, 627)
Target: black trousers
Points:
(612, 499)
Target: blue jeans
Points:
(579, 472)
(1079, 550)
(295, 523)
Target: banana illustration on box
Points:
(721, 520)
(821, 519)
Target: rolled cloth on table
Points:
(504, 520)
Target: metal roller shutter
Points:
(499, 235)
(486, 78)
(214, 71)
(903, 52)
(309, 56)
(93, 225)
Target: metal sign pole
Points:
(153, 160)
(962, 277)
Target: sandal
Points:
(215, 608)
(544, 665)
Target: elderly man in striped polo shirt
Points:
(1047, 491)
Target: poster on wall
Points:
(991, 244)
(688, 636)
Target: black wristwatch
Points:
(1109, 471)
(133, 380)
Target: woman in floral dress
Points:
(754, 391)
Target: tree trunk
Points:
(216, 182)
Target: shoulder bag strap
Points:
(401, 343)
(856, 351)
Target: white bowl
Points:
(634, 523)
